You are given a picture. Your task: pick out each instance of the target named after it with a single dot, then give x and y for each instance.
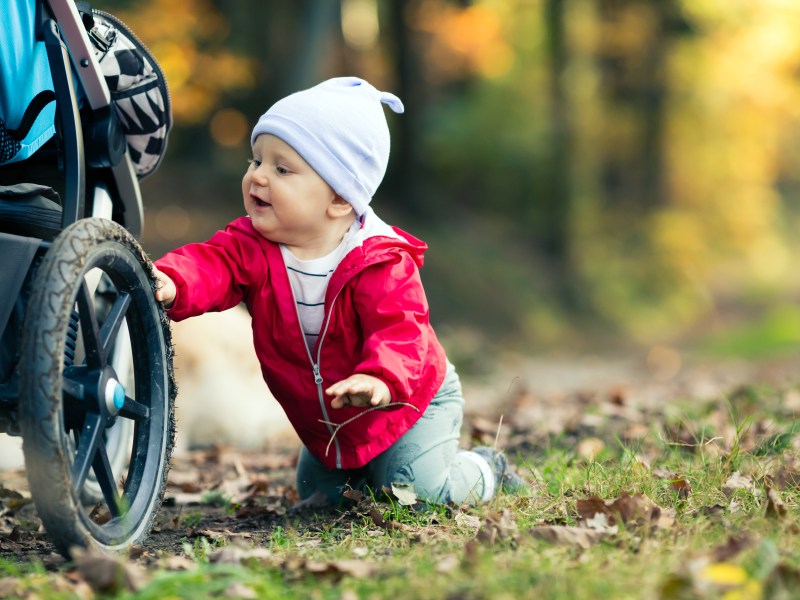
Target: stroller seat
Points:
(22, 54)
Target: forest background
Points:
(589, 174)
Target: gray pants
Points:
(427, 456)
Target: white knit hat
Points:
(339, 128)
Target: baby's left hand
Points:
(359, 390)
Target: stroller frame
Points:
(85, 356)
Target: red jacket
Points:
(376, 322)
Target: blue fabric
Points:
(339, 128)
(427, 457)
(24, 72)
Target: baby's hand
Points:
(165, 288)
(359, 390)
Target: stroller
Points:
(85, 355)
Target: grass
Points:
(725, 473)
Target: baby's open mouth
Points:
(259, 202)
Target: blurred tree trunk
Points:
(404, 175)
(290, 41)
(555, 198)
(634, 82)
(555, 202)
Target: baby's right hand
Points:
(165, 288)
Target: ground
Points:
(220, 496)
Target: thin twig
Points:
(497, 436)
(361, 414)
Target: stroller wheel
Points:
(92, 288)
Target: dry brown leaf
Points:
(107, 574)
(379, 521)
(238, 553)
(253, 509)
(783, 582)
(497, 527)
(589, 448)
(11, 587)
(580, 537)
(447, 564)
(488, 431)
(404, 493)
(213, 535)
(636, 510)
(359, 569)
(776, 509)
(737, 481)
(681, 487)
(239, 590)
(467, 521)
(733, 546)
(354, 495)
(787, 476)
(178, 563)
(317, 499)
(663, 473)
(636, 431)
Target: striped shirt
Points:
(309, 280)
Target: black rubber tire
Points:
(54, 401)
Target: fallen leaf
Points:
(467, 521)
(213, 535)
(737, 481)
(723, 574)
(497, 527)
(239, 590)
(636, 510)
(447, 564)
(681, 487)
(589, 448)
(599, 522)
(787, 476)
(580, 537)
(379, 521)
(783, 582)
(315, 500)
(733, 546)
(776, 509)
(10, 586)
(404, 493)
(178, 563)
(105, 573)
(237, 553)
(359, 569)
(355, 495)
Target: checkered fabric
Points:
(138, 90)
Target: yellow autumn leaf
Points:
(724, 574)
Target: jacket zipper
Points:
(315, 368)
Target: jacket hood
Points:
(376, 234)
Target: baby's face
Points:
(286, 199)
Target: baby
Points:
(339, 315)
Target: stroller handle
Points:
(86, 66)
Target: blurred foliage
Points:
(624, 165)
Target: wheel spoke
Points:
(88, 443)
(110, 328)
(95, 353)
(105, 477)
(134, 410)
(72, 388)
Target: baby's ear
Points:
(339, 207)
